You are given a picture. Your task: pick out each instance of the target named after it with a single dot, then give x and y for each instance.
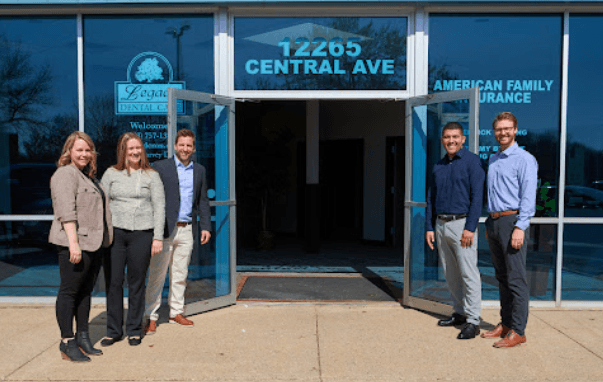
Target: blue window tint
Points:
(38, 107)
(29, 264)
(515, 60)
(582, 277)
(540, 263)
(584, 174)
(129, 64)
(320, 53)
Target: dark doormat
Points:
(322, 288)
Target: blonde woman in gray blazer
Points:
(137, 202)
(81, 227)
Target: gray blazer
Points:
(76, 198)
(169, 175)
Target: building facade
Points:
(351, 69)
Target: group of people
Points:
(139, 218)
(454, 204)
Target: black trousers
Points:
(77, 283)
(510, 268)
(131, 249)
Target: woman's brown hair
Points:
(65, 157)
(121, 153)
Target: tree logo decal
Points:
(145, 91)
(149, 70)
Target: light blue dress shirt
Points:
(185, 179)
(512, 183)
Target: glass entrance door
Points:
(424, 283)
(212, 274)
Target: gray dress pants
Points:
(460, 268)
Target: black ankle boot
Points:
(70, 351)
(83, 341)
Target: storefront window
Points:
(540, 263)
(38, 107)
(28, 263)
(515, 60)
(130, 62)
(582, 277)
(341, 53)
(584, 174)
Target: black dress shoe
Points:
(469, 331)
(83, 341)
(455, 319)
(108, 341)
(134, 341)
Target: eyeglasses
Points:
(503, 129)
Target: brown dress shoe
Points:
(512, 339)
(180, 320)
(500, 331)
(150, 328)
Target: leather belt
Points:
(451, 217)
(182, 224)
(496, 215)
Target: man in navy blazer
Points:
(185, 188)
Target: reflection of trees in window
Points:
(102, 126)
(439, 73)
(44, 143)
(24, 91)
(23, 88)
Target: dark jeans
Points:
(131, 249)
(510, 267)
(77, 283)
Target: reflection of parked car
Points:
(598, 184)
(579, 200)
(583, 201)
(29, 185)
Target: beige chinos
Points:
(176, 256)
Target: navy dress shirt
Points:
(456, 187)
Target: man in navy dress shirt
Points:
(512, 182)
(454, 204)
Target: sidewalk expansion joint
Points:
(318, 345)
(28, 362)
(573, 340)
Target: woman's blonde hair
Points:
(122, 147)
(65, 157)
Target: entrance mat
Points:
(316, 288)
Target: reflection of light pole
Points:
(177, 33)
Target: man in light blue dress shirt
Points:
(511, 186)
(186, 208)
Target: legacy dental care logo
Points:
(145, 92)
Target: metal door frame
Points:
(172, 117)
(472, 95)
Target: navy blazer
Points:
(169, 176)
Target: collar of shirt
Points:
(458, 154)
(180, 164)
(510, 150)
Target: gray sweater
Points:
(137, 200)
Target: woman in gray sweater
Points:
(137, 203)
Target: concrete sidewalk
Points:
(308, 342)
